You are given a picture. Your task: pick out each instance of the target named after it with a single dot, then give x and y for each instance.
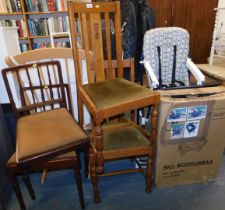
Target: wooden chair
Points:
(107, 95)
(47, 134)
(65, 57)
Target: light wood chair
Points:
(47, 134)
(95, 28)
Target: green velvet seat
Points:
(123, 136)
(121, 91)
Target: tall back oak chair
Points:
(47, 135)
(95, 27)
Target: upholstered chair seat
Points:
(121, 92)
(12, 160)
(123, 136)
(46, 134)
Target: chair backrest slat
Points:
(38, 91)
(85, 42)
(23, 102)
(41, 86)
(118, 41)
(32, 91)
(100, 27)
(97, 46)
(73, 31)
(50, 83)
(110, 74)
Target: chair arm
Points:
(195, 71)
(155, 82)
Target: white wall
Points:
(221, 3)
(219, 32)
(9, 46)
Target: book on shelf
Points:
(38, 45)
(46, 26)
(62, 44)
(21, 28)
(38, 27)
(24, 47)
(10, 6)
(24, 28)
(8, 23)
(15, 23)
(3, 8)
(46, 5)
(18, 5)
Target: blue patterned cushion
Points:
(166, 38)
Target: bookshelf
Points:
(36, 21)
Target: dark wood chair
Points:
(64, 56)
(95, 27)
(48, 137)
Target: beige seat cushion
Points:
(12, 159)
(121, 91)
(46, 132)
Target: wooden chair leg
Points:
(153, 137)
(86, 163)
(99, 147)
(149, 172)
(16, 189)
(78, 182)
(94, 176)
(78, 159)
(28, 184)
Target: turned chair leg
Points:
(28, 184)
(94, 176)
(153, 137)
(78, 182)
(16, 189)
(99, 147)
(149, 171)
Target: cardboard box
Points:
(191, 136)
